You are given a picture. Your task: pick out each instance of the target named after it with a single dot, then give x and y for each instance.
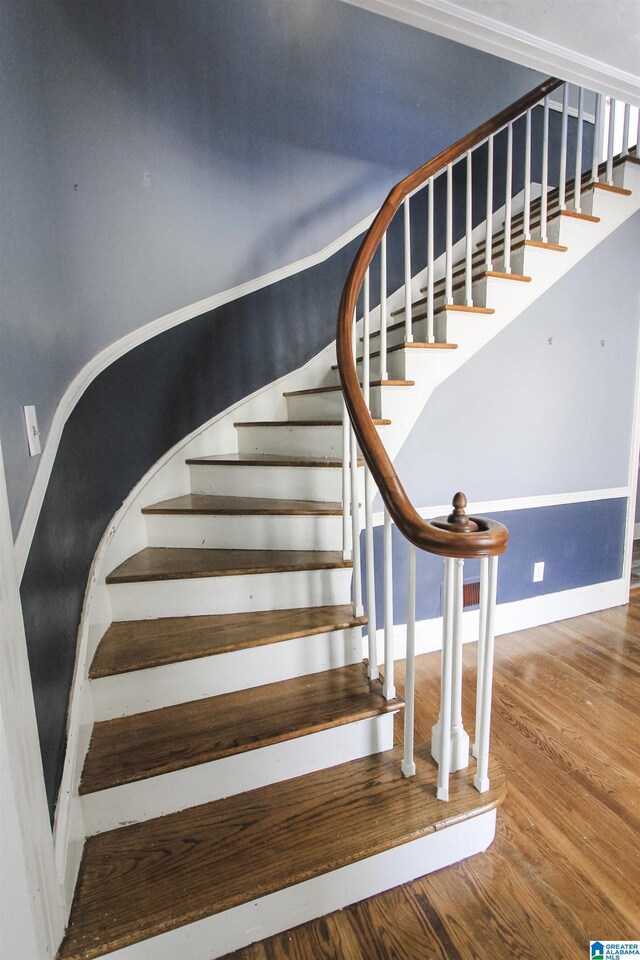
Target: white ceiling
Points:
(592, 42)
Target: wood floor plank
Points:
(160, 741)
(150, 877)
(176, 563)
(221, 506)
(138, 644)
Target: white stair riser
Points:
(281, 483)
(173, 683)
(385, 403)
(246, 532)
(235, 594)
(315, 406)
(170, 792)
(292, 441)
(228, 931)
(395, 365)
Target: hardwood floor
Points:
(565, 866)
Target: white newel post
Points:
(450, 741)
(458, 738)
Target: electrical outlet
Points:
(33, 434)
(538, 571)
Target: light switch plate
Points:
(538, 571)
(33, 434)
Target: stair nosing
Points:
(277, 508)
(267, 460)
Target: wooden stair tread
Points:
(609, 188)
(148, 744)
(138, 644)
(148, 878)
(215, 505)
(300, 423)
(179, 563)
(265, 460)
(373, 383)
(414, 345)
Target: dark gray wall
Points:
(266, 129)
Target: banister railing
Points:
(451, 272)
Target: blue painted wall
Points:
(157, 152)
(580, 543)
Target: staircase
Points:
(241, 776)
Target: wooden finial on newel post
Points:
(457, 521)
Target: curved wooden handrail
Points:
(490, 538)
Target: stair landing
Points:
(147, 879)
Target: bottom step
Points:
(208, 880)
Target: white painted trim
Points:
(114, 351)
(480, 507)
(226, 932)
(43, 914)
(636, 531)
(502, 40)
(516, 615)
(634, 454)
(558, 106)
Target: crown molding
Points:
(474, 29)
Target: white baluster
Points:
(507, 210)
(383, 308)
(372, 640)
(489, 232)
(468, 229)
(578, 178)
(612, 124)
(482, 633)
(408, 763)
(638, 136)
(562, 186)
(459, 738)
(448, 293)
(358, 609)
(388, 687)
(545, 172)
(441, 733)
(481, 779)
(366, 346)
(346, 520)
(527, 177)
(597, 141)
(408, 335)
(625, 130)
(430, 258)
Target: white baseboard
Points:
(511, 617)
